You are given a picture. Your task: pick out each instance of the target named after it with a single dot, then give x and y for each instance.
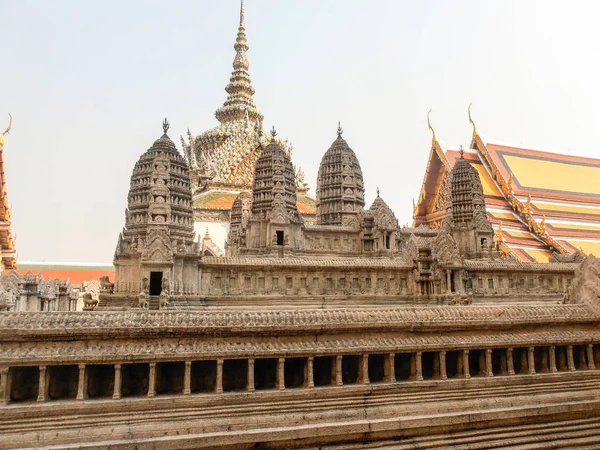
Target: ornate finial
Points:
(240, 90)
(471, 121)
(242, 16)
(433, 137)
(462, 153)
(5, 131)
(498, 236)
(273, 133)
(165, 126)
(377, 191)
(339, 130)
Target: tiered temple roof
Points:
(540, 203)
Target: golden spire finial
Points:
(471, 121)
(242, 15)
(5, 131)
(498, 236)
(433, 136)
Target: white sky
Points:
(89, 83)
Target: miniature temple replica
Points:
(245, 314)
(343, 332)
(222, 159)
(543, 206)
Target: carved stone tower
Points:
(340, 188)
(157, 240)
(274, 223)
(465, 211)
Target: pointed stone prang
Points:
(165, 126)
(339, 130)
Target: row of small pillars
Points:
(309, 377)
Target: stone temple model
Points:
(222, 159)
(350, 332)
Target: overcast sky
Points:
(89, 83)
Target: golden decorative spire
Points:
(5, 132)
(433, 136)
(498, 236)
(240, 91)
(471, 121)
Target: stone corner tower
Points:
(466, 216)
(157, 245)
(340, 188)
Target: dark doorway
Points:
(25, 383)
(323, 370)
(134, 379)
(203, 376)
(155, 283)
(63, 382)
(280, 237)
(101, 380)
(350, 365)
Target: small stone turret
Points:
(159, 223)
(340, 188)
(466, 216)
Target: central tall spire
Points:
(240, 91)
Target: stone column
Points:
(509, 361)
(570, 360)
(250, 379)
(443, 374)
(448, 282)
(152, 380)
(590, 357)
(363, 375)
(42, 385)
(338, 370)
(219, 379)
(552, 358)
(4, 386)
(489, 368)
(187, 378)
(419, 366)
(465, 356)
(390, 368)
(117, 386)
(281, 374)
(309, 378)
(531, 360)
(81, 384)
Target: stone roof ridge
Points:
(303, 261)
(420, 230)
(519, 265)
(326, 227)
(420, 317)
